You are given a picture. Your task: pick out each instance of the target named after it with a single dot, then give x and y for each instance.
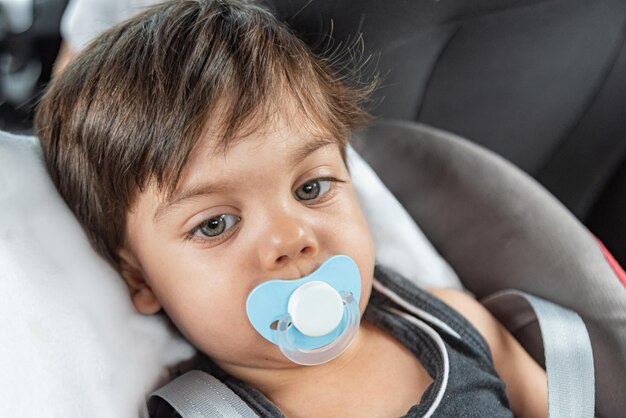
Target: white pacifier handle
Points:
(350, 308)
(315, 308)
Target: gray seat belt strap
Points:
(197, 394)
(568, 354)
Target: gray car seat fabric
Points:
(499, 229)
(540, 82)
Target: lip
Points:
(307, 273)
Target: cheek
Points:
(204, 293)
(362, 239)
(357, 242)
(199, 297)
(213, 319)
(206, 302)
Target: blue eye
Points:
(313, 189)
(215, 226)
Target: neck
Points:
(275, 383)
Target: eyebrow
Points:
(307, 148)
(298, 155)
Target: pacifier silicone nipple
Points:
(312, 319)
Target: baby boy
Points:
(202, 147)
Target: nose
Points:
(289, 238)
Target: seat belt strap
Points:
(197, 394)
(567, 350)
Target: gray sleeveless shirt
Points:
(465, 383)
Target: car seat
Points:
(499, 229)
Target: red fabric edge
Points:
(619, 271)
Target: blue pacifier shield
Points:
(313, 304)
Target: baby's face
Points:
(276, 205)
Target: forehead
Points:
(282, 111)
(222, 125)
(285, 131)
(280, 118)
(279, 145)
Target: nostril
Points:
(307, 250)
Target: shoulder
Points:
(525, 379)
(501, 343)
(472, 310)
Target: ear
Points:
(141, 293)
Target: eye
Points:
(313, 189)
(215, 226)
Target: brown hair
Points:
(130, 108)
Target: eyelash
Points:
(191, 235)
(329, 193)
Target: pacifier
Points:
(313, 319)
